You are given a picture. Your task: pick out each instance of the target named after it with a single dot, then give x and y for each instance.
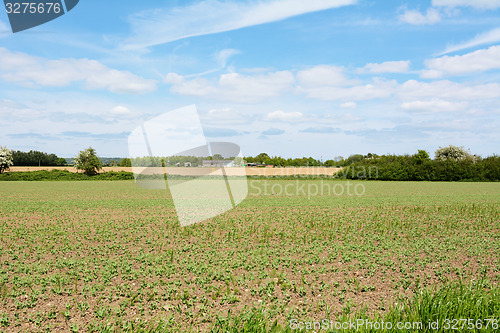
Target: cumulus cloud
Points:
(477, 61)
(159, 26)
(479, 4)
(417, 18)
(120, 110)
(324, 75)
(376, 89)
(348, 105)
(329, 83)
(434, 105)
(280, 115)
(447, 90)
(233, 86)
(488, 37)
(27, 70)
(387, 67)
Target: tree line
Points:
(449, 164)
(36, 158)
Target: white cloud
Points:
(161, 26)
(447, 90)
(27, 70)
(434, 105)
(488, 37)
(477, 61)
(415, 17)
(479, 4)
(377, 89)
(387, 67)
(195, 87)
(234, 86)
(280, 115)
(331, 83)
(324, 75)
(120, 110)
(348, 105)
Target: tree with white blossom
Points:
(5, 159)
(454, 153)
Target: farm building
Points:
(217, 163)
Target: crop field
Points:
(109, 256)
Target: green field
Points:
(108, 256)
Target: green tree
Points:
(88, 161)
(261, 158)
(238, 161)
(421, 156)
(125, 162)
(5, 159)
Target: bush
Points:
(419, 167)
(65, 175)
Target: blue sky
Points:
(294, 78)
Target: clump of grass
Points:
(476, 301)
(255, 320)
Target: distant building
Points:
(217, 163)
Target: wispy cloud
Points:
(161, 26)
(4, 29)
(485, 38)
